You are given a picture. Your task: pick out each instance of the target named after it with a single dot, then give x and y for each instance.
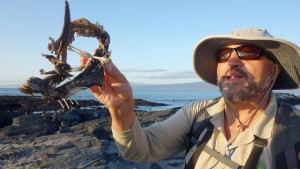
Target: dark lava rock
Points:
(37, 134)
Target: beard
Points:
(249, 91)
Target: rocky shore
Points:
(37, 134)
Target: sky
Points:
(151, 41)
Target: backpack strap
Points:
(199, 134)
(202, 130)
(259, 145)
(286, 135)
(222, 159)
(200, 122)
(196, 150)
(288, 158)
(286, 144)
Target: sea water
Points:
(173, 98)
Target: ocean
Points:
(174, 98)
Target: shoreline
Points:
(67, 138)
(10, 102)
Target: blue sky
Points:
(151, 41)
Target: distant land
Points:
(194, 86)
(10, 86)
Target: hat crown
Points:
(251, 32)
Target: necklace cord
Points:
(252, 113)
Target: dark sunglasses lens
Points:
(248, 52)
(244, 52)
(223, 55)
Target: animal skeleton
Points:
(92, 73)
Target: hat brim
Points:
(287, 53)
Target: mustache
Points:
(236, 69)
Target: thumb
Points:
(113, 72)
(83, 60)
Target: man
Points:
(246, 65)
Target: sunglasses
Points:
(244, 52)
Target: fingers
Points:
(113, 79)
(112, 75)
(83, 60)
(113, 72)
(110, 70)
(94, 89)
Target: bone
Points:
(88, 55)
(71, 102)
(80, 52)
(66, 103)
(61, 104)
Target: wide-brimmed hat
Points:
(287, 54)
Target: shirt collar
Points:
(264, 125)
(262, 128)
(216, 112)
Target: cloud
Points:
(169, 75)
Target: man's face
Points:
(244, 80)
